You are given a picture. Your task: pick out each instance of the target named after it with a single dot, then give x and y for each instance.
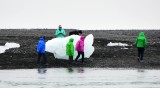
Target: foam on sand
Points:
(57, 46)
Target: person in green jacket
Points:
(60, 32)
(70, 50)
(141, 43)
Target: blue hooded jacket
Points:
(41, 46)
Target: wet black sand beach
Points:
(103, 57)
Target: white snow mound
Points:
(57, 46)
(8, 46)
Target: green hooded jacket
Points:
(60, 33)
(70, 48)
(141, 40)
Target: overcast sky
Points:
(81, 14)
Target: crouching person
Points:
(70, 50)
(41, 51)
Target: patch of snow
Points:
(124, 48)
(8, 46)
(117, 44)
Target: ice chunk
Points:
(57, 46)
(8, 46)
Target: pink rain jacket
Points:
(80, 44)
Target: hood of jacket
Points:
(41, 39)
(141, 34)
(71, 40)
(82, 38)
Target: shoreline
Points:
(103, 57)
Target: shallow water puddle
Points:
(79, 78)
(8, 46)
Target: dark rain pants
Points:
(140, 53)
(39, 57)
(80, 53)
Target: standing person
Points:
(41, 51)
(70, 50)
(80, 48)
(141, 43)
(60, 32)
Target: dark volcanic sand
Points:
(104, 56)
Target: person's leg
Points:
(139, 50)
(142, 52)
(71, 59)
(39, 56)
(82, 56)
(44, 59)
(77, 56)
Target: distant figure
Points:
(80, 33)
(60, 32)
(80, 48)
(41, 50)
(141, 43)
(70, 50)
(75, 32)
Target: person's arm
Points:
(136, 42)
(145, 42)
(64, 32)
(38, 47)
(57, 32)
(44, 46)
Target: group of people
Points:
(79, 48)
(60, 33)
(140, 43)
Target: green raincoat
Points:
(60, 33)
(141, 40)
(70, 48)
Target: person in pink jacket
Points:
(80, 48)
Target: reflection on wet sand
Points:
(78, 70)
(80, 78)
(42, 70)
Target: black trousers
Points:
(39, 57)
(140, 53)
(80, 53)
(70, 59)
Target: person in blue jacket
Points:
(60, 33)
(41, 51)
